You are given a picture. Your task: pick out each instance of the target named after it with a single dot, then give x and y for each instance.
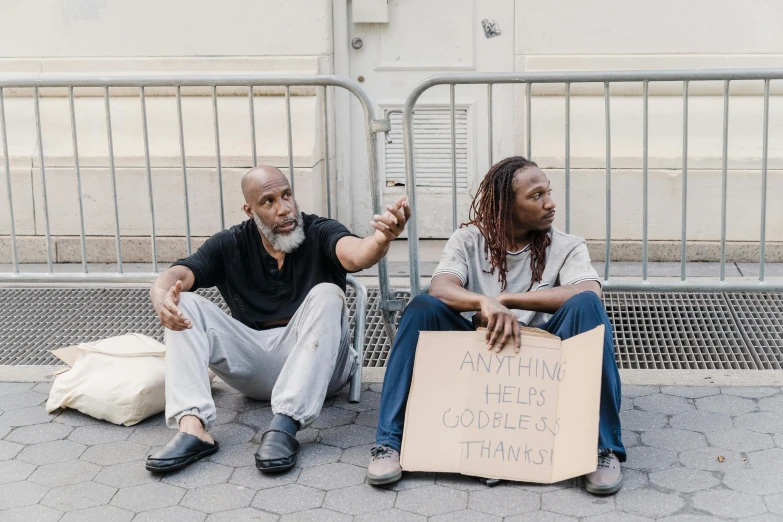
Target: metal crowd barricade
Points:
(372, 127)
(607, 78)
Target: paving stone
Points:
(761, 422)
(115, 453)
(43, 387)
(626, 403)
(235, 456)
(359, 500)
(766, 517)
(775, 503)
(726, 404)
(15, 494)
(778, 439)
(729, 504)
(754, 481)
(39, 433)
(25, 399)
(78, 496)
(99, 514)
(370, 401)
(232, 433)
(348, 436)
(76, 419)
(9, 450)
(411, 481)
(633, 391)
(576, 502)
(432, 500)
(250, 477)
(674, 439)
(51, 452)
(304, 436)
(662, 403)
(690, 392)
(637, 420)
(315, 454)
(242, 515)
(26, 417)
(100, 434)
(288, 499)
(220, 497)
(332, 476)
(390, 515)
(34, 513)
(146, 497)
(617, 516)
(707, 459)
(239, 402)
(316, 515)
(774, 404)
(466, 515)
(334, 417)
(172, 514)
(630, 439)
(701, 421)
(64, 473)
(358, 455)
(376, 387)
(643, 458)
(14, 470)
(259, 418)
(771, 459)
(199, 474)
(684, 480)
(126, 475)
(461, 482)
(368, 418)
(687, 517)
(540, 516)
(224, 416)
(14, 387)
(157, 435)
(749, 392)
(740, 440)
(633, 479)
(503, 501)
(4, 430)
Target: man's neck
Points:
(279, 255)
(520, 238)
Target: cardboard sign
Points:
(531, 416)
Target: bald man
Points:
(282, 273)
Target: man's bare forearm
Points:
(168, 279)
(368, 252)
(455, 295)
(549, 300)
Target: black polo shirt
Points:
(247, 277)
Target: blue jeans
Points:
(581, 313)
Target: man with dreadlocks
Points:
(506, 266)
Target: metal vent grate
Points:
(432, 135)
(652, 330)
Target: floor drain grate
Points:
(652, 330)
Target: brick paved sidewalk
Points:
(70, 467)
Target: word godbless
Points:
(512, 365)
(497, 419)
(485, 449)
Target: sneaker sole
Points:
(611, 489)
(384, 479)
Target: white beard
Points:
(287, 242)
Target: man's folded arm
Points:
(549, 300)
(448, 288)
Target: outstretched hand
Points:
(169, 313)
(390, 225)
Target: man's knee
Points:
(425, 304)
(586, 299)
(327, 292)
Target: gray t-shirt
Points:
(567, 263)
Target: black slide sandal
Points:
(277, 451)
(182, 450)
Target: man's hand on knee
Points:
(168, 311)
(501, 323)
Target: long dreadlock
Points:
(491, 212)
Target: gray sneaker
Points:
(384, 466)
(607, 479)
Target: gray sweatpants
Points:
(295, 366)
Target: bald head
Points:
(261, 178)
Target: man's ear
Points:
(248, 210)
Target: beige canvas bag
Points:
(120, 379)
